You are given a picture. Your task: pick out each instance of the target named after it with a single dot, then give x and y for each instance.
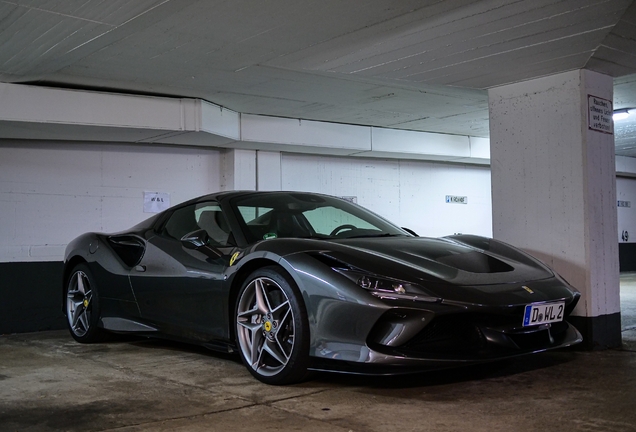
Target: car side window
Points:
(207, 216)
(257, 220)
(210, 217)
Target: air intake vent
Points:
(475, 262)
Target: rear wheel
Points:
(272, 329)
(82, 306)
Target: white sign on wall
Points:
(453, 199)
(155, 202)
(600, 113)
(624, 203)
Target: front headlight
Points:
(388, 288)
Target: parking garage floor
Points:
(49, 383)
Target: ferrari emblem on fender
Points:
(527, 289)
(233, 259)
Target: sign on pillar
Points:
(600, 113)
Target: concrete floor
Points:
(49, 383)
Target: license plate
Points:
(536, 314)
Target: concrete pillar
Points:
(238, 170)
(250, 170)
(268, 171)
(554, 187)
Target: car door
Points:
(179, 283)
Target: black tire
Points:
(273, 338)
(82, 306)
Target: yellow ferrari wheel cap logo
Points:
(267, 326)
(85, 302)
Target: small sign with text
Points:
(155, 202)
(600, 113)
(454, 199)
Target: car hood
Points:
(460, 261)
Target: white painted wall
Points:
(52, 192)
(409, 193)
(626, 191)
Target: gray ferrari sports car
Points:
(298, 282)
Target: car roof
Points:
(233, 194)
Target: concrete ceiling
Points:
(421, 65)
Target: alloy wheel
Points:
(265, 326)
(79, 303)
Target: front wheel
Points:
(272, 329)
(82, 306)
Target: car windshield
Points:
(303, 215)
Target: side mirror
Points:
(410, 231)
(195, 239)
